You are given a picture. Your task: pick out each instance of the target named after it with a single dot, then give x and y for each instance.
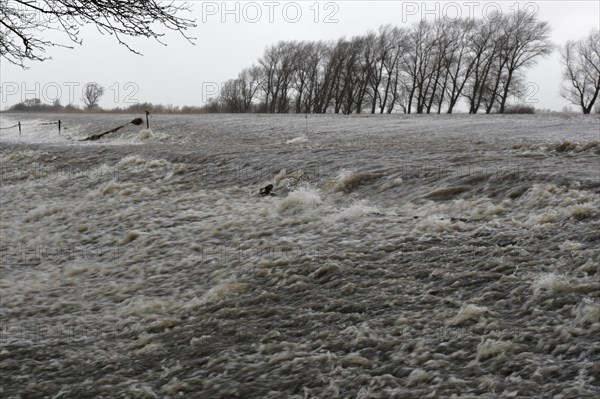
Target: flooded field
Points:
(399, 257)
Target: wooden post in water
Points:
(59, 127)
(306, 119)
(147, 121)
(93, 137)
(19, 128)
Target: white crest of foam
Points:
(141, 137)
(138, 162)
(304, 198)
(145, 134)
(417, 376)
(43, 211)
(586, 312)
(569, 245)
(298, 140)
(356, 211)
(346, 180)
(219, 292)
(468, 312)
(491, 347)
(550, 283)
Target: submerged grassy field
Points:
(419, 256)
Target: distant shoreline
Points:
(99, 112)
(129, 112)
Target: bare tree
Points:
(389, 46)
(326, 76)
(268, 64)
(392, 70)
(323, 71)
(22, 23)
(581, 62)
(91, 95)
(306, 78)
(527, 41)
(364, 69)
(230, 97)
(277, 69)
(399, 95)
(302, 73)
(460, 60)
(439, 78)
(383, 46)
(429, 51)
(491, 89)
(488, 43)
(349, 75)
(249, 80)
(340, 56)
(483, 44)
(420, 65)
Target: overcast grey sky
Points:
(233, 35)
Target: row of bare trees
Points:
(428, 67)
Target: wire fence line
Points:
(10, 127)
(137, 122)
(20, 125)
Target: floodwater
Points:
(400, 257)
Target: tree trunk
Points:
(505, 93)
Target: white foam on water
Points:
(469, 312)
(117, 188)
(355, 211)
(587, 313)
(346, 180)
(175, 386)
(304, 198)
(138, 162)
(26, 154)
(581, 211)
(150, 309)
(550, 283)
(145, 134)
(141, 137)
(535, 220)
(298, 140)
(43, 211)
(569, 245)
(492, 348)
(390, 184)
(220, 291)
(141, 390)
(548, 195)
(417, 377)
